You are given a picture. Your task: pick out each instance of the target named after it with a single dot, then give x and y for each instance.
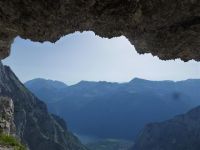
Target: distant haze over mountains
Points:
(116, 110)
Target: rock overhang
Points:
(165, 28)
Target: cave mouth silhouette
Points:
(167, 29)
(85, 56)
(87, 53)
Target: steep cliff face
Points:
(166, 28)
(35, 127)
(179, 133)
(8, 138)
(6, 119)
(7, 125)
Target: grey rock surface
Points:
(7, 125)
(5, 148)
(168, 29)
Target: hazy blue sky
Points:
(84, 56)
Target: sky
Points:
(85, 56)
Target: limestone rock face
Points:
(179, 133)
(6, 119)
(6, 116)
(6, 148)
(167, 28)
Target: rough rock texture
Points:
(35, 127)
(6, 116)
(7, 125)
(167, 28)
(5, 148)
(179, 133)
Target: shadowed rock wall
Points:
(167, 28)
(179, 133)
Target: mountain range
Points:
(116, 110)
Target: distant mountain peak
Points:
(94, 83)
(137, 80)
(46, 83)
(192, 80)
(140, 80)
(86, 82)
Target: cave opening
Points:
(86, 56)
(102, 83)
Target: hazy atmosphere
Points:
(85, 56)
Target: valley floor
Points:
(93, 143)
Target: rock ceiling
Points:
(168, 29)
